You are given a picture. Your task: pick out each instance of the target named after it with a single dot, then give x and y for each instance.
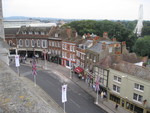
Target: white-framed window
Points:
(56, 52)
(63, 54)
(56, 35)
(117, 79)
(24, 32)
(73, 57)
(20, 43)
(10, 42)
(59, 53)
(110, 49)
(53, 44)
(27, 43)
(30, 32)
(38, 43)
(50, 51)
(36, 33)
(137, 97)
(94, 59)
(63, 46)
(71, 48)
(88, 55)
(50, 43)
(138, 87)
(44, 43)
(116, 88)
(42, 33)
(32, 43)
(59, 44)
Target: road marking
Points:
(75, 103)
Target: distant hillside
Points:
(38, 18)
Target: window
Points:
(20, 43)
(32, 43)
(88, 55)
(71, 48)
(137, 97)
(55, 44)
(110, 49)
(116, 88)
(63, 46)
(30, 32)
(63, 54)
(27, 43)
(10, 42)
(117, 79)
(138, 87)
(44, 43)
(94, 59)
(42, 33)
(58, 44)
(50, 43)
(38, 43)
(56, 35)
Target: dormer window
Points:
(24, 32)
(30, 32)
(56, 35)
(36, 33)
(42, 33)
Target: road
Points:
(78, 101)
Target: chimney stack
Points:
(105, 35)
(114, 39)
(68, 32)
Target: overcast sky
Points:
(77, 9)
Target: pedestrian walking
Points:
(116, 107)
(102, 94)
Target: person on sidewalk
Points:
(116, 107)
(102, 95)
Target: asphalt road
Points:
(78, 101)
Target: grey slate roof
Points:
(98, 47)
(11, 31)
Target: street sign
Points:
(17, 60)
(64, 93)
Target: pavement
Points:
(107, 105)
(19, 94)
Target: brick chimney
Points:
(68, 32)
(88, 35)
(105, 35)
(103, 46)
(114, 39)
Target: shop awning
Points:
(78, 69)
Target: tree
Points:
(142, 46)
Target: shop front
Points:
(79, 72)
(128, 105)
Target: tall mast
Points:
(139, 26)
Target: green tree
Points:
(142, 46)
